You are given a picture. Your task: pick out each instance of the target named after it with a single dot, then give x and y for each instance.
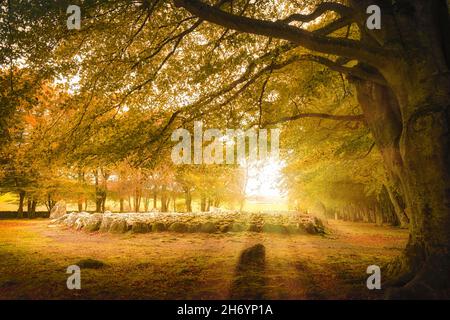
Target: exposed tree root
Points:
(410, 279)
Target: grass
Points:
(166, 265)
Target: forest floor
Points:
(34, 259)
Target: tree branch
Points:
(320, 10)
(307, 39)
(355, 72)
(334, 26)
(358, 117)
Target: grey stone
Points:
(58, 210)
(178, 227)
(106, 223)
(118, 226)
(93, 222)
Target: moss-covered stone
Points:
(311, 228)
(274, 228)
(194, 227)
(254, 227)
(118, 226)
(238, 227)
(93, 222)
(140, 227)
(106, 223)
(208, 227)
(225, 228)
(158, 227)
(178, 227)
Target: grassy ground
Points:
(34, 259)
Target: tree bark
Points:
(203, 203)
(155, 198)
(21, 201)
(387, 208)
(146, 203)
(121, 204)
(28, 205)
(32, 212)
(164, 199)
(188, 199)
(80, 196)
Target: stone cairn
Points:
(204, 222)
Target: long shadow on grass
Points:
(250, 280)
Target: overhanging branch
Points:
(320, 10)
(358, 117)
(316, 42)
(355, 72)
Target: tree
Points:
(26, 155)
(402, 80)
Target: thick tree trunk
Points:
(410, 124)
(164, 199)
(121, 200)
(50, 202)
(32, 210)
(416, 157)
(188, 199)
(80, 196)
(155, 198)
(137, 202)
(387, 208)
(98, 203)
(146, 203)
(399, 206)
(137, 199)
(21, 201)
(98, 197)
(203, 203)
(28, 206)
(103, 203)
(378, 215)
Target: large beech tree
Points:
(403, 84)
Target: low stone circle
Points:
(206, 222)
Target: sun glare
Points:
(263, 179)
